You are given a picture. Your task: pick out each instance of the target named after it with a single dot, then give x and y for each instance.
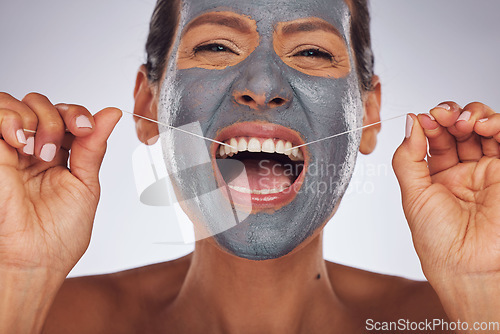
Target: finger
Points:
(29, 119)
(469, 144)
(488, 126)
(409, 162)
(442, 145)
(8, 155)
(78, 120)
(489, 129)
(490, 147)
(51, 128)
(446, 113)
(11, 128)
(67, 141)
(88, 152)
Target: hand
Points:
(46, 209)
(452, 200)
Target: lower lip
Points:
(260, 202)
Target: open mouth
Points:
(274, 171)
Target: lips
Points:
(274, 173)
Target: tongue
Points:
(263, 174)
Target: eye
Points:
(213, 47)
(314, 53)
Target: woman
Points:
(256, 63)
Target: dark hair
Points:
(362, 42)
(161, 36)
(165, 20)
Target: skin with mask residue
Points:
(258, 66)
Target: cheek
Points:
(332, 106)
(200, 93)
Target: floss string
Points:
(221, 143)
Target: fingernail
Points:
(29, 148)
(464, 116)
(482, 120)
(430, 116)
(409, 126)
(83, 122)
(444, 106)
(21, 138)
(48, 152)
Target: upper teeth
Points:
(253, 144)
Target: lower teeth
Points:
(258, 191)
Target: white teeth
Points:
(254, 145)
(280, 147)
(234, 143)
(258, 191)
(300, 156)
(227, 149)
(242, 145)
(268, 146)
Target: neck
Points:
(228, 293)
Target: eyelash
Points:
(316, 53)
(313, 53)
(213, 47)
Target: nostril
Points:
(277, 102)
(247, 98)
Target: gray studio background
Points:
(87, 52)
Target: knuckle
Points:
(53, 125)
(9, 115)
(475, 106)
(5, 96)
(33, 96)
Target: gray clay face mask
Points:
(280, 81)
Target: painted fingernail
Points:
(482, 120)
(409, 126)
(83, 122)
(430, 116)
(21, 138)
(444, 106)
(48, 152)
(29, 148)
(464, 116)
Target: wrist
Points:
(26, 298)
(471, 298)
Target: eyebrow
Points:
(293, 28)
(220, 19)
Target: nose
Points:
(262, 86)
(258, 101)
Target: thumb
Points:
(88, 152)
(409, 162)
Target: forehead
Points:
(269, 12)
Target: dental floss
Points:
(169, 126)
(221, 143)
(181, 130)
(346, 132)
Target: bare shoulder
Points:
(115, 302)
(384, 297)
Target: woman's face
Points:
(262, 75)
